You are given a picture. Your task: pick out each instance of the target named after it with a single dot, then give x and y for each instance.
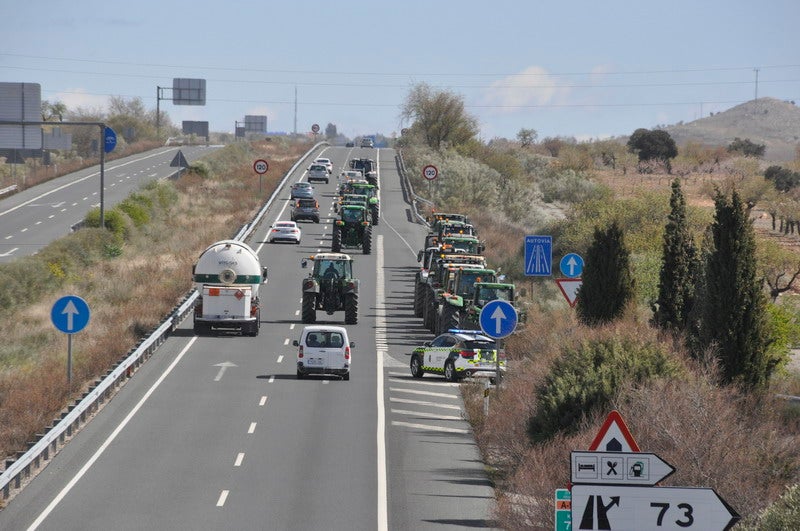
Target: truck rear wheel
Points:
(351, 308)
(309, 310)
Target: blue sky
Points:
(588, 69)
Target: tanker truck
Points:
(227, 276)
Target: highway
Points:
(217, 432)
(31, 219)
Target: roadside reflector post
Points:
(486, 398)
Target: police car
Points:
(457, 354)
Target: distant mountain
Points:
(767, 121)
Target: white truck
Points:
(227, 276)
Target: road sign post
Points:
(70, 314)
(261, 167)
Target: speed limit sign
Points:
(261, 166)
(430, 172)
(315, 128)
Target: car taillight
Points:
(308, 283)
(253, 310)
(347, 353)
(351, 285)
(467, 354)
(300, 352)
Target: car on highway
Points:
(305, 209)
(318, 172)
(457, 354)
(325, 162)
(367, 143)
(301, 189)
(350, 144)
(324, 349)
(286, 231)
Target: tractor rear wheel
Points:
(351, 308)
(336, 243)
(366, 243)
(309, 307)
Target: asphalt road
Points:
(37, 216)
(217, 433)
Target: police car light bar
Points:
(461, 331)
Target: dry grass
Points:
(128, 295)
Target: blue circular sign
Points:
(498, 319)
(571, 265)
(110, 139)
(70, 314)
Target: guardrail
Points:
(412, 197)
(47, 444)
(8, 189)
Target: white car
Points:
(284, 231)
(326, 162)
(324, 349)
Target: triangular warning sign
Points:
(569, 288)
(179, 161)
(614, 436)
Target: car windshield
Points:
(351, 214)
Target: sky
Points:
(582, 69)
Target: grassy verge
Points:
(130, 280)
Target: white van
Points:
(324, 350)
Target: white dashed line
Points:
(239, 459)
(222, 497)
(252, 428)
(280, 358)
(263, 401)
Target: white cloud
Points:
(75, 98)
(534, 86)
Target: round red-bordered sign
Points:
(430, 172)
(315, 128)
(261, 166)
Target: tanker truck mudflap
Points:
(228, 276)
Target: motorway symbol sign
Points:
(179, 161)
(613, 508)
(538, 256)
(498, 319)
(315, 128)
(618, 468)
(614, 436)
(261, 166)
(571, 265)
(430, 172)
(563, 510)
(110, 140)
(70, 314)
(569, 288)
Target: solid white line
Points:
(109, 440)
(426, 393)
(222, 497)
(428, 428)
(425, 415)
(406, 380)
(252, 428)
(239, 459)
(422, 403)
(263, 401)
(383, 502)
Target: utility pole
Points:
(295, 109)
(756, 71)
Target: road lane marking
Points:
(426, 415)
(428, 427)
(110, 439)
(286, 341)
(423, 403)
(426, 393)
(380, 323)
(291, 326)
(222, 497)
(252, 428)
(239, 459)
(263, 401)
(271, 379)
(280, 358)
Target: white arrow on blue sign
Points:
(498, 319)
(109, 140)
(70, 314)
(571, 265)
(538, 256)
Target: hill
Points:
(767, 121)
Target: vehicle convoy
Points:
(352, 229)
(324, 349)
(456, 354)
(227, 276)
(434, 285)
(368, 168)
(318, 172)
(369, 190)
(305, 209)
(330, 287)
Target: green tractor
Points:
(352, 229)
(484, 292)
(371, 191)
(350, 199)
(330, 287)
(458, 295)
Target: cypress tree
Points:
(607, 280)
(678, 267)
(734, 317)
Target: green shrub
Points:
(781, 515)
(117, 222)
(587, 377)
(200, 168)
(135, 210)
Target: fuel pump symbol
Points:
(637, 469)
